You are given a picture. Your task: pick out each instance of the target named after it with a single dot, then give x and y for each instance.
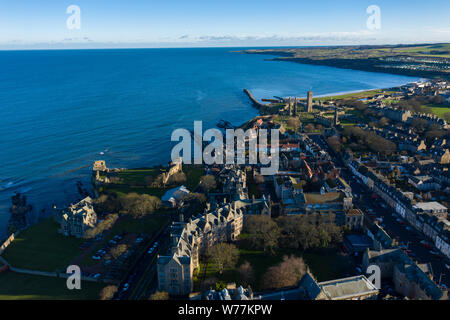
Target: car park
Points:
(426, 244)
(139, 240)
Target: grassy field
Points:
(436, 109)
(16, 286)
(353, 95)
(41, 247)
(137, 176)
(134, 180)
(325, 264)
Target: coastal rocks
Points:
(19, 213)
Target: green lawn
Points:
(16, 286)
(122, 190)
(325, 264)
(436, 109)
(137, 176)
(353, 95)
(41, 247)
(133, 180)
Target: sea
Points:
(60, 110)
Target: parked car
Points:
(125, 287)
(434, 253)
(139, 240)
(96, 257)
(426, 244)
(150, 250)
(97, 275)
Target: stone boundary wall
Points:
(8, 241)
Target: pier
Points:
(254, 101)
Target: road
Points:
(143, 275)
(396, 230)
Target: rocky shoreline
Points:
(400, 64)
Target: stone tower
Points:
(336, 117)
(295, 107)
(309, 101)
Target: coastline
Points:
(363, 59)
(71, 195)
(6, 215)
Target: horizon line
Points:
(224, 47)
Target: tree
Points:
(159, 295)
(309, 127)
(383, 122)
(263, 232)
(419, 124)
(294, 123)
(223, 255)
(102, 226)
(308, 231)
(335, 143)
(287, 273)
(208, 183)
(118, 250)
(177, 178)
(446, 116)
(106, 204)
(108, 292)
(139, 205)
(246, 273)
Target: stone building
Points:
(309, 102)
(189, 241)
(77, 218)
(409, 278)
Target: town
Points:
(363, 181)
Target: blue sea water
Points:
(61, 110)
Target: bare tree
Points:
(118, 250)
(108, 292)
(246, 273)
(104, 225)
(223, 255)
(159, 295)
(264, 232)
(208, 183)
(287, 273)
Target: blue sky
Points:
(178, 23)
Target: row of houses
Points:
(415, 214)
